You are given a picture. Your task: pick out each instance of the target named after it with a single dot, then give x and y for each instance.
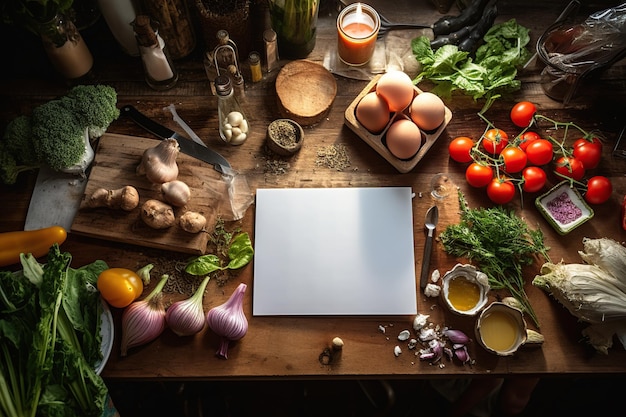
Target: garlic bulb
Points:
(158, 163)
(228, 320)
(186, 317)
(143, 321)
(176, 192)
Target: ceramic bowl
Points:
(280, 127)
(476, 280)
(501, 329)
(564, 208)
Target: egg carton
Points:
(378, 141)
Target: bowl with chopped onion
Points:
(564, 207)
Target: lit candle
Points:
(357, 28)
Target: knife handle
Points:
(145, 122)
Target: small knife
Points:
(187, 146)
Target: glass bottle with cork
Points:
(159, 71)
(233, 123)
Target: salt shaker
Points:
(233, 123)
(159, 72)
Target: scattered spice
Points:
(274, 164)
(563, 209)
(333, 157)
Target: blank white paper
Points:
(334, 251)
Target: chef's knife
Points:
(187, 146)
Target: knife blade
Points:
(187, 146)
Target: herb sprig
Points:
(500, 243)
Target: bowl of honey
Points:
(465, 289)
(501, 329)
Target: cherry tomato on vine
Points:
(599, 190)
(522, 113)
(589, 152)
(495, 140)
(500, 190)
(478, 175)
(570, 167)
(459, 149)
(534, 179)
(539, 152)
(526, 138)
(119, 286)
(514, 159)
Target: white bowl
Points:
(506, 335)
(473, 276)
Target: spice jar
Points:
(175, 25)
(159, 71)
(233, 123)
(254, 60)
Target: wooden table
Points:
(290, 346)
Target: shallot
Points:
(228, 320)
(186, 317)
(143, 321)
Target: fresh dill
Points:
(500, 243)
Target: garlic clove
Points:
(244, 126)
(239, 139)
(176, 193)
(228, 133)
(236, 132)
(235, 118)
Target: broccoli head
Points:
(59, 137)
(9, 168)
(18, 139)
(95, 107)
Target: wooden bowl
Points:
(281, 146)
(306, 91)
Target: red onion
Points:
(186, 317)
(228, 320)
(143, 321)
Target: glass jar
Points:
(65, 47)
(233, 123)
(158, 68)
(175, 25)
(295, 23)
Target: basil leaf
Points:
(240, 251)
(203, 265)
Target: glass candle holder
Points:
(357, 29)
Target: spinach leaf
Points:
(491, 73)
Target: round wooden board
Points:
(306, 91)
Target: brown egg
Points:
(372, 112)
(397, 89)
(404, 138)
(428, 111)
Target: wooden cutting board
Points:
(115, 164)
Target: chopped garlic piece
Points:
(435, 275)
(432, 290)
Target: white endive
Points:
(587, 291)
(608, 255)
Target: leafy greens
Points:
(490, 73)
(500, 243)
(50, 339)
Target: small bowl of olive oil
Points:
(465, 290)
(501, 329)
